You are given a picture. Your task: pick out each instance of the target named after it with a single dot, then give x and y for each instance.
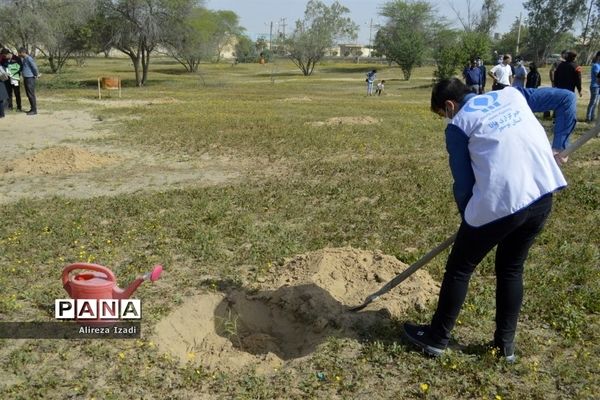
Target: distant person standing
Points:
(551, 72)
(472, 75)
(483, 74)
(534, 79)
(520, 74)
(3, 93)
(498, 57)
(501, 73)
(30, 73)
(555, 65)
(370, 79)
(12, 65)
(594, 90)
(568, 74)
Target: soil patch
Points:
(365, 120)
(297, 307)
(57, 160)
(63, 153)
(296, 99)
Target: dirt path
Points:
(51, 154)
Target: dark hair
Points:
(506, 57)
(533, 67)
(597, 55)
(447, 89)
(4, 51)
(571, 56)
(23, 50)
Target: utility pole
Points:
(370, 30)
(283, 34)
(270, 35)
(283, 26)
(518, 36)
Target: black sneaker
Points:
(31, 112)
(418, 335)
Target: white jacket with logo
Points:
(500, 156)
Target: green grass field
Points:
(299, 194)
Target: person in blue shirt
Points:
(594, 90)
(520, 73)
(472, 75)
(483, 74)
(370, 79)
(29, 72)
(505, 172)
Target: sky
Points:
(256, 15)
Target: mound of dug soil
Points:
(345, 121)
(57, 160)
(301, 304)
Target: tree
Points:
(590, 35)
(245, 50)
(484, 21)
(408, 28)
(63, 29)
(488, 19)
(102, 32)
(201, 34)
(317, 32)
(508, 42)
(447, 53)
(226, 28)
(473, 45)
(21, 24)
(139, 27)
(548, 19)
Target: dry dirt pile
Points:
(57, 160)
(345, 121)
(301, 304)
(296, 99)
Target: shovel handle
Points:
(401, 277)
(593, 132)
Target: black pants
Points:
(10, 89)
(1, 109)
(30, 91)
(513, 235)
(498, 86)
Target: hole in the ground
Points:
(289, 322)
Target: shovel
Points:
(446, 243)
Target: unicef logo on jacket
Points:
(484, 103)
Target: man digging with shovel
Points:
(505, 172)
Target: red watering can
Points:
(99, 282)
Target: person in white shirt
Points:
(380, 87)
(501, 73)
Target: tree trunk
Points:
(145, 64)
(53, 67)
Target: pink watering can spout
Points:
(153, 275)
